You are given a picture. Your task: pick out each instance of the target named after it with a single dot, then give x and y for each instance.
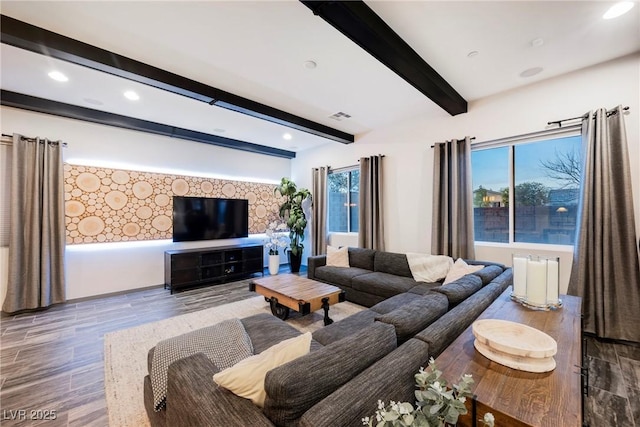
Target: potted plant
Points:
(292, 213)
(437, 405)
(276, 240)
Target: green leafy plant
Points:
(292, 213)
(436, 404)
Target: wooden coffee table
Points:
(290, 291)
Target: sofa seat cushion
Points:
(392, 263)
(394, 302)
(361, 258)
(294, 388)
(489, 273)
(338, 276)
(423, 288)
(266, 330)
(345, 327)
(460, 289)
(383, 284)
(416, 315)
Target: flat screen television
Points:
(206, 218)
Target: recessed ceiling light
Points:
(531, 72)
(537, 42)
(618, 9)
(131, 95)
(473, 54)
(287, 136)
(58, 76)
(310, 64)
(219, 130)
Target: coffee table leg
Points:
(325, 306)
(278, 310)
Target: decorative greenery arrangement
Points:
(436, 405)
(276, 237)
(291, 211)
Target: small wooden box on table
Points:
(290, 291)
(518, 398)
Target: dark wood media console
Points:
(195, 267)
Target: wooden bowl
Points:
(513, 338)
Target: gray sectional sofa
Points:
(370, 355)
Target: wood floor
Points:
(51, 362)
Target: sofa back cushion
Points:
(392, 263)
(489, 273)
(295, 387)
(459, 290)
(361, 258)
(415, 315)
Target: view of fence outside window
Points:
(545, 186)
(343, 192)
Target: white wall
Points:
(105, 268)
(408, 161)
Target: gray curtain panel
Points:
(319, 213)
(370, 212)
(37, 239)
(452, 223)
(606, 269)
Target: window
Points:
(527, 190)
(342, 209)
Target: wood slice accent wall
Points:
(113, 205)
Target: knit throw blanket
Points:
(429, 268)
(225, 344)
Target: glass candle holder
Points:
(536, 281)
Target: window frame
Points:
(511, 142)
(348, 170)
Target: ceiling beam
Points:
(41, 105)
(29, 37)
(364, 27)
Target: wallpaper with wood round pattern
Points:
(109, 205)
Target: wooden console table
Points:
(518, 398)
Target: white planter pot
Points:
(274, 264)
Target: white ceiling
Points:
(257, 50)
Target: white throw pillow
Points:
(338, 257)
(459, 269)
(246, 378)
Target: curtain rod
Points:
(559, 122)
(472, 138)
(64, 144)
(381, 155)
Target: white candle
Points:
(519, 276)
(536, 282)
(552, 281)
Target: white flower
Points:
(489, 419)
(436, 386)
(380, 404)
(462, 399)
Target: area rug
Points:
(125, 352)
